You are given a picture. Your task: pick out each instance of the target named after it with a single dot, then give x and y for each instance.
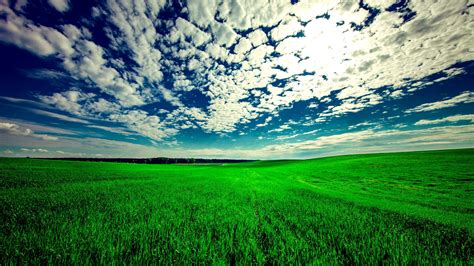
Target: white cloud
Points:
(86, 105)
(354, 92)
(380, 3)
(202, 13)
(395, 140)
(8, 152)
(34, 150)
(366, 141)
(329, 58)
(169, 96)
(188, 29)
(19, 101)
(102, 106)
(20, 4)
(283, 137)
(363, 124)
(85, 59)
(86, 147)
(23, 33)
(310, 132)
(286, 28)
(44, 73)
(14, 129)
(92, 65)
(59, 116)
(257, 37)
(68, 101)
(224, 34)
(39, 128)
(148, 125)
(243, 46)
(257, 55)
(452, 119)
(280, 128)
(216, 51)
(60, 5)
(464, 97)
(117, 130)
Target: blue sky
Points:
(234, 79)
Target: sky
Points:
(246, 79)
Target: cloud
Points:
(287, 137)
(23, 33)
(383, 4)
(243, 46)
(365, 141)
(14, 129)
(137, 34)
(92, 66)
(60, 5)
(363, 124)
(44, 153)
(24, 101)
(81, 104)
(59, 116)
(44, 73)
(280, 128)
(148, 125)
(286, 28)
(201, 13)
(241, 61)
(81, 57)
(39, 128)
(68, 101)
(325, 141)
(169, 96)
(188, 29)
(452, 119)
(117, 130)
(86, 147)
(372, 140)
(223, 34)
(8, 152)
(464, 97)
(310, 132)
(34, 150)
(102, 106)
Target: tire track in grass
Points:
(261, 236)
(270, 226)
(414, 210)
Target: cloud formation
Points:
(160, 68)
(452, 119)
(465, 97)
(14, 129)
(59, 5)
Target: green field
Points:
(393, 208)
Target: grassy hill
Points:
(415, 207)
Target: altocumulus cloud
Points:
(162, 68)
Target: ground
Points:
(404, 208)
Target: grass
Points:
(399, 208)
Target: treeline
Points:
(160, 160)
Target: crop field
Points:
(397, 208)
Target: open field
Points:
(365, 209)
